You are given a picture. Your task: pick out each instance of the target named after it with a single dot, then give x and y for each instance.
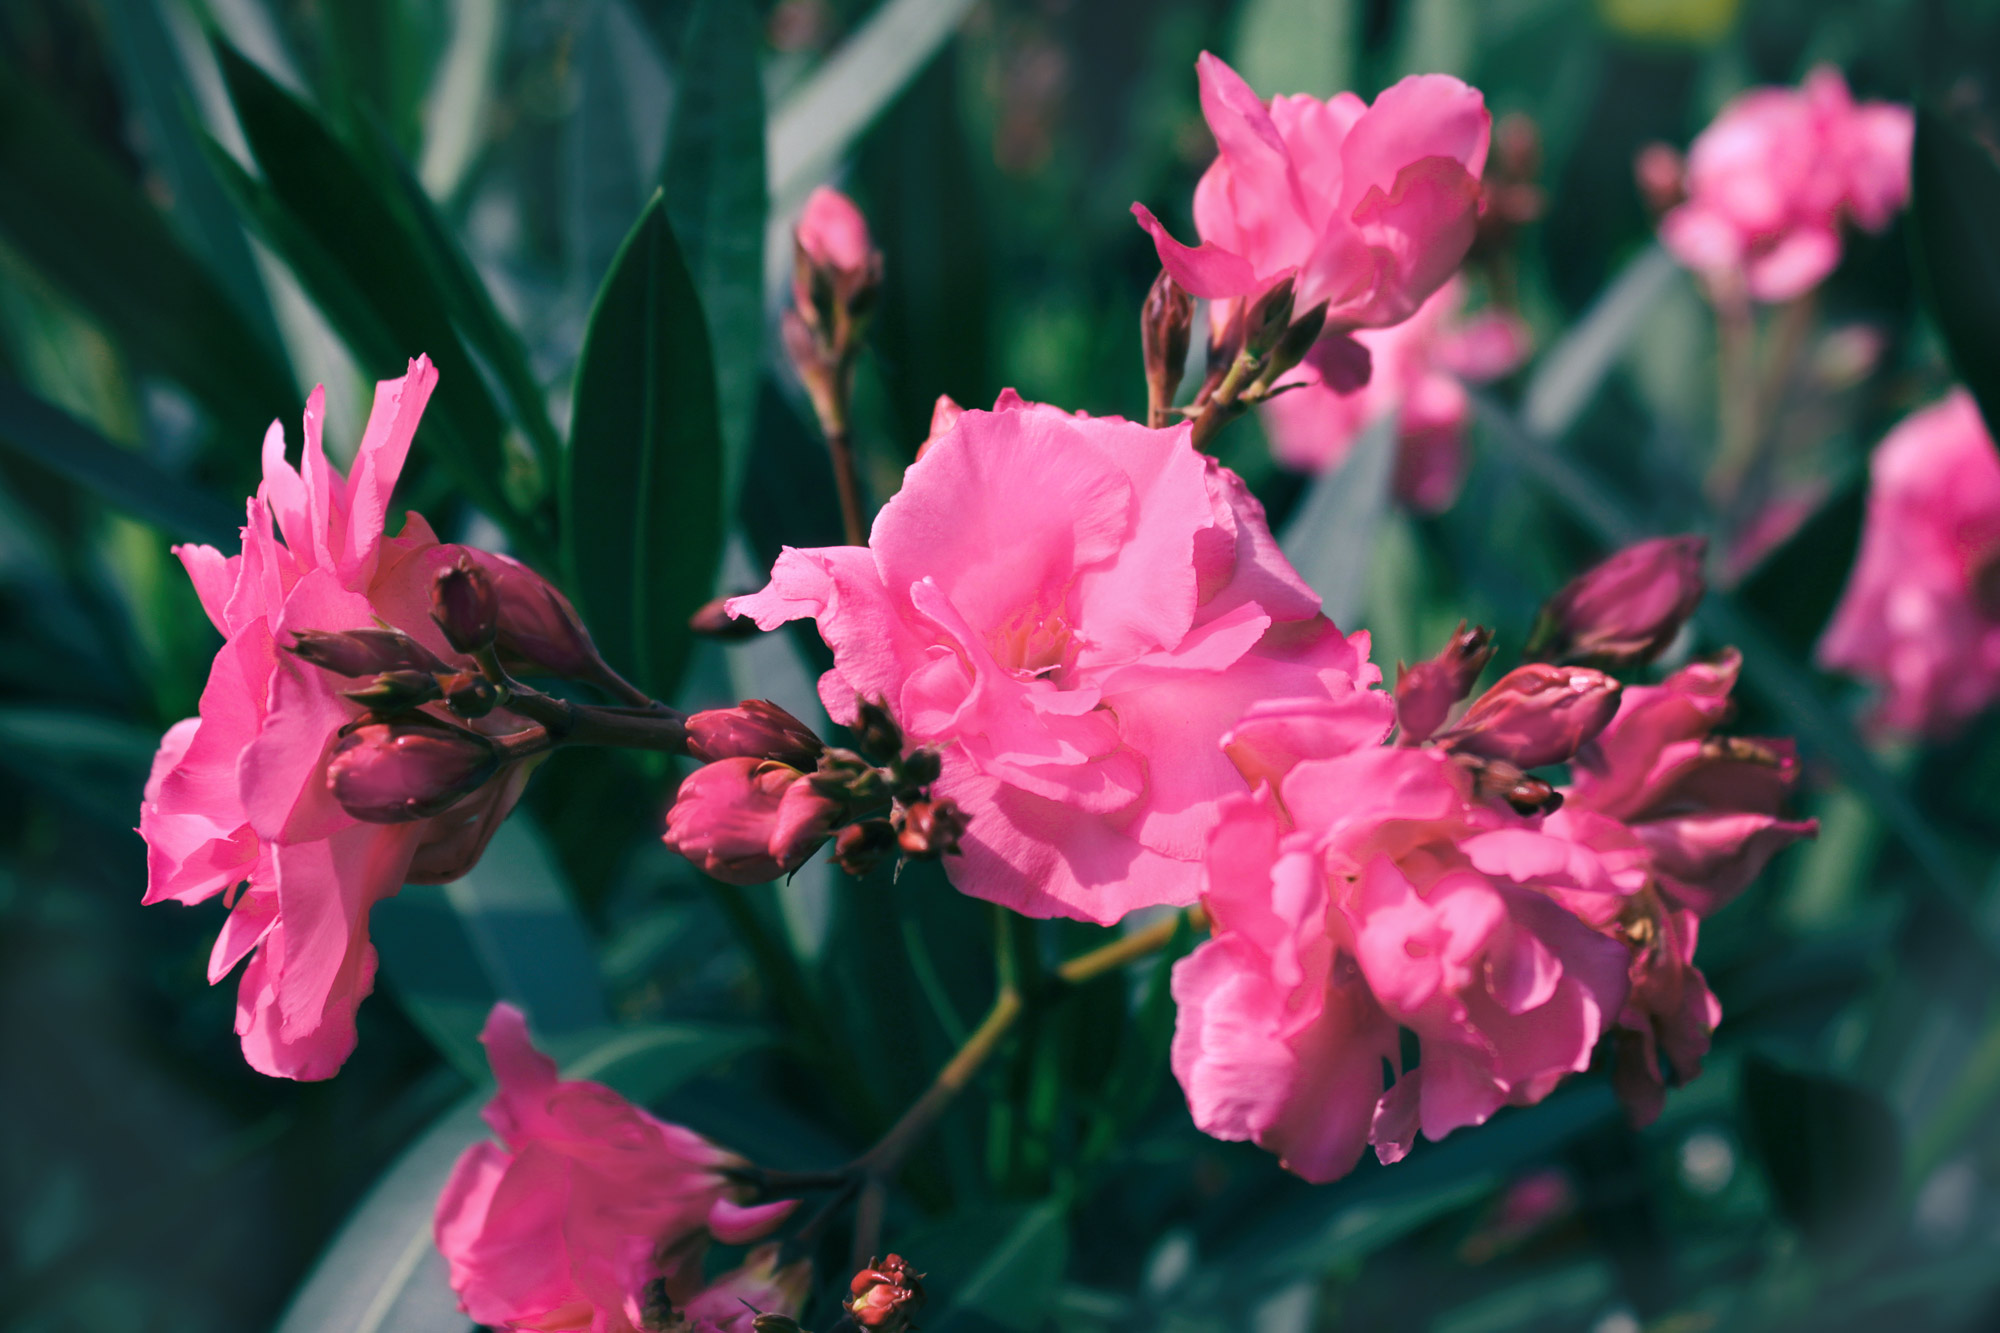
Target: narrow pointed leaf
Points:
(714, 180)
(642, 492)
(80, 222)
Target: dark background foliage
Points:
(206, 206)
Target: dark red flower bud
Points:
(468, 694)
(916, 770)
(859, 848)
(396, 691)
(364, 652)
(886, 1295)
(537, 630)
(876, 733)
(465, 606)
(931, 829)
(395, 772)
(1165, 322)
(714, 621)
(1427, 692)
(1628, 609)
(755, 729)
(1498, 780)
(1536, 714)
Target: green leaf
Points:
(1571, 371)
(471, 305)
(1295, 46)
(1955, 203)
(1331, 538)
(1832, 1150)
(642, 492)
(80, 222)
(996, 1268)
(714, 180)
(816, 123)
(382, 1272)
(122, 478)
(362, 242)
(509, 930)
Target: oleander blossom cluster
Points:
(1434, 886)
(1071, 611)
(1770, 183)
(241, 799)
(590, 1214)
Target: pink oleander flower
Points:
(1770, 181)
(589, 1208)
(241, 802)
(1920, 618)
(1706, 807)
(1371, 207)
(1420, 371)
(1073, 611)
(1366, 889)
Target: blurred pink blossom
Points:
(834, 235)
(1920, 618)
(1372, 207)
(1770, 180)
(1073, 610)
(1367, 889)
(1421, 368)
(586, 1201)
(242, 794)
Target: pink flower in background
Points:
(1771, 179)
(1920, 618)
(1420, 371)
(1369, 890)
(241, 793)
(1074, 610)
(1372, 207)
(586, 1201)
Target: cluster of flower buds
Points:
(408, 757)
(1511, 190)
(836, 272)
(770, 794)
(1622, 613)
(886, 1295)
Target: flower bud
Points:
(1536, 714)
(714, 621)
(465, 606)
(944, 415)
(1427, 692)
(1267, 318)
(876, 733)
(833, 239)
(396, 691)
(746, 821)
(1662, 176)
(1626, 610)
(1165, 322)
(468, 693)
(395, 772)
(1298, 340)
(1498, 780)
(754, 729)
(364, 652)
(932, 829)
(916, 770)
(536, 629)
(886, 1295)
(859, 848)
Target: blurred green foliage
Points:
(207, 206)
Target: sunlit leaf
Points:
(1571, 371)
(72, 214)
(642, 493)
(1330, 539)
